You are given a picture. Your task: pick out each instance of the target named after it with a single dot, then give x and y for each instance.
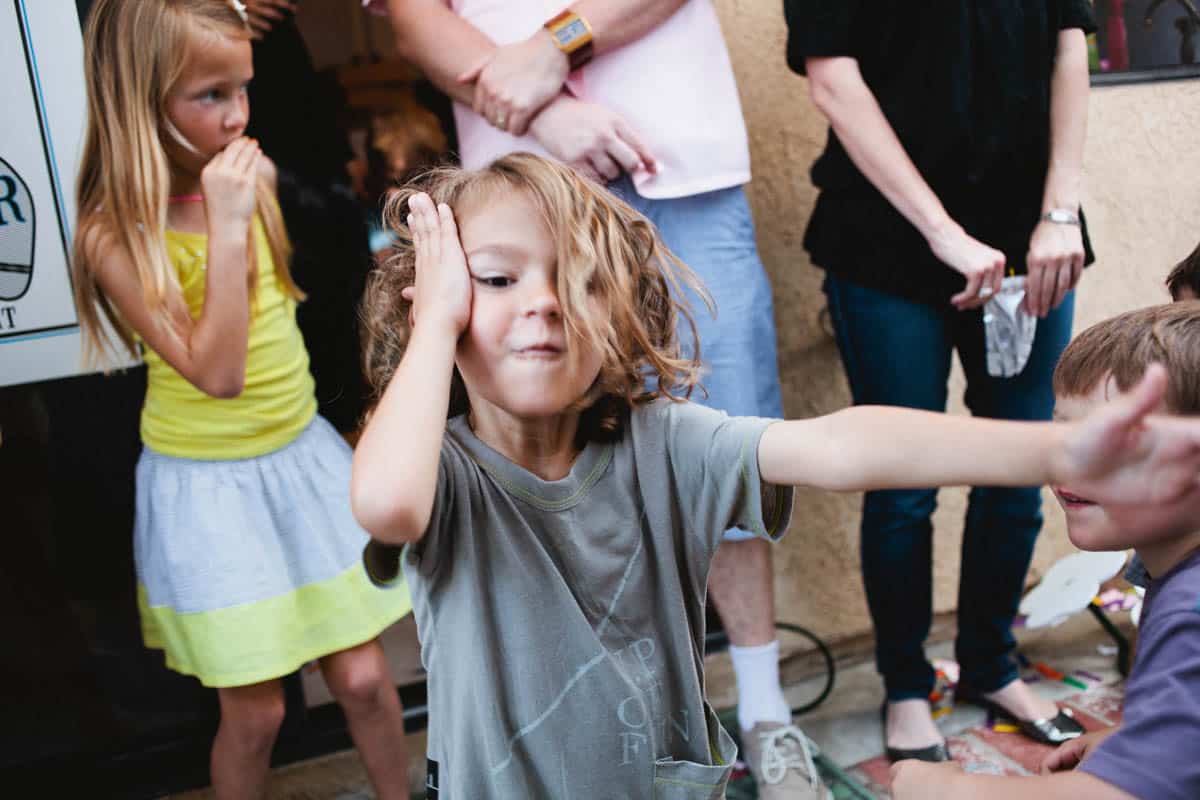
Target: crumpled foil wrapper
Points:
(1008, 329)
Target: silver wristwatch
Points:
(1060, 216)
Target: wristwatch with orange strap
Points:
(573, 36)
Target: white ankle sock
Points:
(760, 698)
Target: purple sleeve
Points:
(1156, 753)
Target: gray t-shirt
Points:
(1155, 754)
(562, 622)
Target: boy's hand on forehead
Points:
(442, 294)
(1121, 455)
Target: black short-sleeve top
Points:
(966, 86)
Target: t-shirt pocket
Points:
(688, 780)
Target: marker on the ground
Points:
(1049, 672)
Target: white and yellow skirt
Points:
(249, 568)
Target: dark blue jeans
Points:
(897, 352)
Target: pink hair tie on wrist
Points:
(240, 8)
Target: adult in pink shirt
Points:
(656, 115)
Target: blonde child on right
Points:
(561, 523)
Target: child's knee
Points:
(358, 679)
(254, 718)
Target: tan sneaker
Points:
(780, 758)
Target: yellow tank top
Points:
(278, 400)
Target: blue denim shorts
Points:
(713, 233)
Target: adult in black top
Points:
(955, 125)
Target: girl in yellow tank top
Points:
(248, 558)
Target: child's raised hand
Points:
(442, 295)
(229, 182)
(1119, 455)
(1071, 754)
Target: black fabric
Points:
(294, 113)
(295, 110)
(330, 261)
(966, 86)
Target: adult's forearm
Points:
(1069, 89)
(440, 43)
(841, 94)
(444, 45)
(618, 22)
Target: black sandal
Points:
(1062, 727)
(934, 753)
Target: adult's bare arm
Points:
(841, 94)
(517, 80)
(1056, 253)
(618, 22)
(441, 43)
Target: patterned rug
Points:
(998, 749)
(976, 741)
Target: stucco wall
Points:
(1144, 211)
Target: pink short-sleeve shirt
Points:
(674, 87)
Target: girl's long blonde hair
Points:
(134, 53)
(606, 249)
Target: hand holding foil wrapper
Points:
(1008, 329)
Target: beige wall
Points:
(1143, 207)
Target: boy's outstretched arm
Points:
(882, 447)
(919, 780)
(394, 478)
(1117, 455)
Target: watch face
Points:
(570, 32)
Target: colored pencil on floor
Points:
(1049, 672)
